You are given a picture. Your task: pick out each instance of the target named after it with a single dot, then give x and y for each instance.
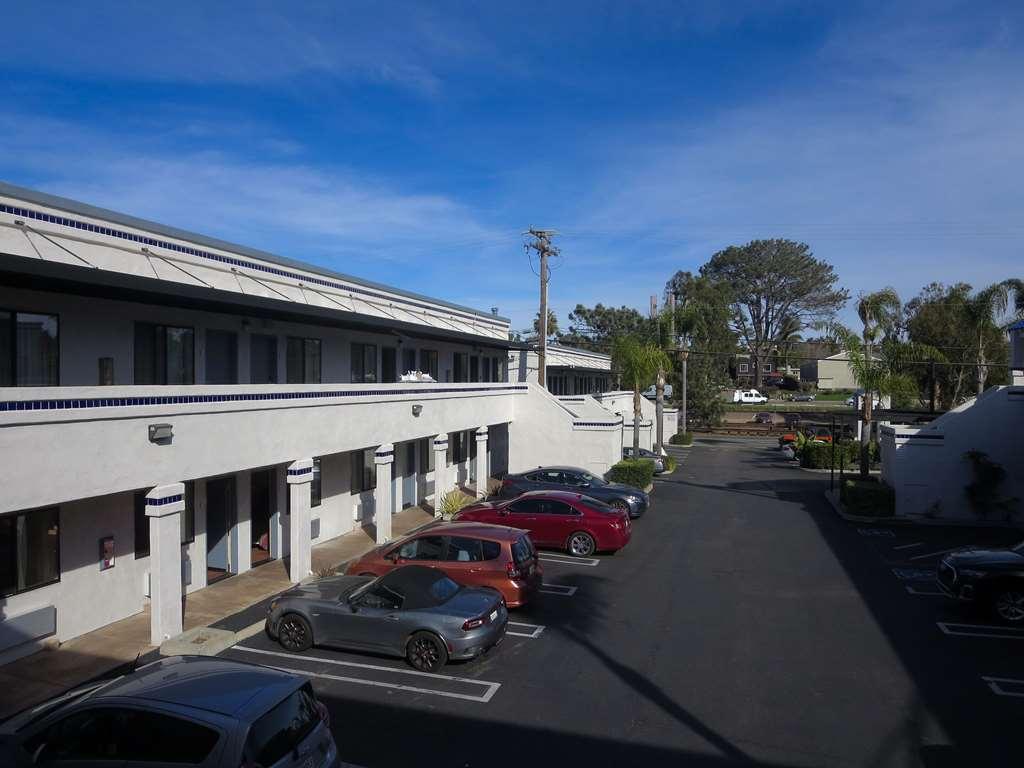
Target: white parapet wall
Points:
(928, 468)
(546, 431)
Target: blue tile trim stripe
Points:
(164, 501)
(241, 397)
(297, 472)
(596, 423)
(63, 221)
(382, 454)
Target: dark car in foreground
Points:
(190, 710)
(623, 497)
(573, 522)
(472, 554)
(992, 578)
(413, 611)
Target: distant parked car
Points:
(192, 710)
(659, 462)
(993, 578)
(622, 497)
(859, 394)
(792, 420)
(578, 524)
(748, 396)
(472, 554)
(763, 418)
(803, 397)
(413, 611)
(821, 435)
(651, 393)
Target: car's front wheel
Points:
(294, 633)
(581, 544)
(1008, 603)
(426, 652)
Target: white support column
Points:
(383, 459)
(300, 475)
(481, 463)
(441, 482)
(164, 505)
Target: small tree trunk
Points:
(659, 389)
(636, 422)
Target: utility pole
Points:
(659, 391)
(542, 245)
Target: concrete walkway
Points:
(33, 679)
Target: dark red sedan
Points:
(559, 519)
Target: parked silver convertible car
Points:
(414, 611)
(181, 710)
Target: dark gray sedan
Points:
(414, 611)
(625, 498)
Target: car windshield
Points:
(283, 728)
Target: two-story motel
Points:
(175, 409)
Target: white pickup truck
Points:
(748, 396)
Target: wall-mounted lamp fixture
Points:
(160, 433)
(417, 409)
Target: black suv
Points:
(993, 578)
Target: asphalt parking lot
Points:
(744, 624)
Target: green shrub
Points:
(870, 498)
(681, 438)
(670, 463)
(819, 455)
(452, 502)
(635, 472)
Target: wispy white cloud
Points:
(898, 159)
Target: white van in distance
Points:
(748, 396)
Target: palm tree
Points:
(984, 309)
(879, 313)
(638, 363)
(880, 369)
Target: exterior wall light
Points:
(417, 409)
(160, 433)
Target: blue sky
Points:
(412, 143)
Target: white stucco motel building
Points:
(176, 409)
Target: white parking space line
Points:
(590, 562)
(875, 532)
(998, 686)
(934, 554)
(915, 574)
(558, 589)
(491, 687)
(980, 630)
(532, 631)
(925, 592)
(910, 546)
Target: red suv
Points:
(579, 524)
(472, 554)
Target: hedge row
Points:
(670, 463)
(636, 472)
(868, 497)
(819, 455)
(681, 438)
